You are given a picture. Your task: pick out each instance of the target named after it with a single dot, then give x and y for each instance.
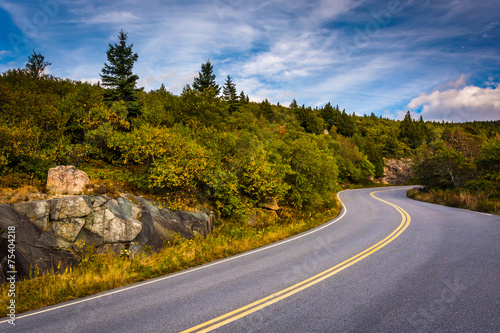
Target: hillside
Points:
(226, 153)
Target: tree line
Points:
(213, 146)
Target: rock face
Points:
(397, 171)
(47, 232)
(67, 180)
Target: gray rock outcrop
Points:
(397, 172)
(47, 232)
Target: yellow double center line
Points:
(276, 297)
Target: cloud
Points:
(3, 53)
(465, 104)
(111, 17)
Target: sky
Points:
(439, 59)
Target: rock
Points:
(68, 229)
(270, 204)
(260, 217)
(67, 180)
(77, 206)
(47, 231)
(37, 211)
(167, 222)
(118, 230)
(397, 171)
(32, 250)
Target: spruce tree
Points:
(229, 90)
(117, 75)
(206, 79)
(230, 95)
(243, 98)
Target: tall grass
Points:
(101, 272)
(458, 198)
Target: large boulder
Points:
(67, 180)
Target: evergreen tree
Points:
(243, 98)
(347, 126)
(229, 90)
(36, 65)
(330, 115)
(411, 132)
(266, 110)
(206, 79)
(230, 94)
(294, 104)
(118, 77)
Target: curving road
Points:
(386, 264)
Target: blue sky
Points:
(437, 58)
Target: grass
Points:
(458, 198)
(101, 272)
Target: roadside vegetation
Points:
(101, 272)
(212, 147)
(460, 168)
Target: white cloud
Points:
(111, 17)
(459, 104)
(3, 53)
(291, 58)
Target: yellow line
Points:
(271, 299)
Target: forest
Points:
(211, 146)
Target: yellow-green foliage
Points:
(228, 155)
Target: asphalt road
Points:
(393, 266)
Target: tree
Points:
(229, 90)
(118, 77)
(229, 94)
(36, 65)
(411, 132)
(206, 79)
(439, 166)
(266, 110)
(243, 99)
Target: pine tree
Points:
(206, 79)
(36, 65)
(229, 90)
(118, 77)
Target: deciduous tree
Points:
(36, 65)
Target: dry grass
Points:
(24, 193)
(100, 272)
(460, 199)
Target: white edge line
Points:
(189, 270)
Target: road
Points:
(386, 264)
